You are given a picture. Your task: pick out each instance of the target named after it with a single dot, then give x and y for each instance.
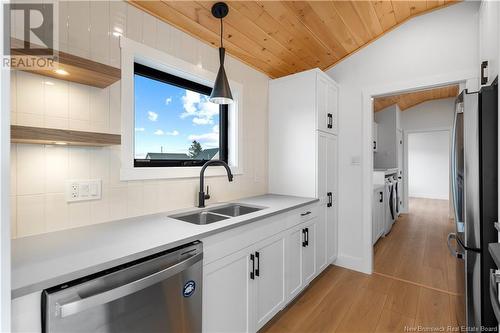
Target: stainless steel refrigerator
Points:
(474, 174)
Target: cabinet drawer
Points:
(302, 215)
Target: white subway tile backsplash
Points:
(56, 122)
(62, 36)
(30, 169)
(134, 23)
(79, 214)
(150, 195)
(79, 102)
(99, 108)
(163, 37)
(148, 30)
(135, 199)
(99, 31)
(29, 119)
(118, 203)
(56, 168)
(99, 166)
(56, 212)
(56, 98)
(115, 108)
(117, 28)
(79, 163)
(30, 93)
(79, 28)
(30, 215)
(100, 209)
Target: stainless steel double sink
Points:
(217, 214)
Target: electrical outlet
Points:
(82, 190)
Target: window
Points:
(175, 125)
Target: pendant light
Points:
(221, 92)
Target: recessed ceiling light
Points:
(61, 72)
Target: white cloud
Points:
(161, 132)
(208, 140)
(139, 129)
(153, 116)
(199, 107)
(173, 133)
(168, 100)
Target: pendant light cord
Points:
(221, 33)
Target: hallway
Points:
(413, 283)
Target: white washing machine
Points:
(390, 212)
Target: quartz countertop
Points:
(46, 260)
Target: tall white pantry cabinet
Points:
(303, 123)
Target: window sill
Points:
(174, 173)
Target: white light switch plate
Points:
(83, 190)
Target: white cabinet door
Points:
(293, 281)
(322, 118)
(227, 299)
(309, 252)
(332, 209)
(270, 294)
(321, 238)
(332, 107)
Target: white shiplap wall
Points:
(39, 172)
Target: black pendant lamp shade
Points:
(221, 92)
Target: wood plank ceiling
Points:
(407, 100)
(285, 37)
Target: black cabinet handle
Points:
(330, 199)
(374, 145)
(330, 121)
(307, 236)
(305, 214)
(304, 238)
(381, 197)
(257, 271)
(252, 273)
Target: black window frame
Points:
(155, 74)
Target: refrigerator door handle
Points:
(454, 168)
(494, 280)
(453, 251)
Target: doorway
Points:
(413, 156)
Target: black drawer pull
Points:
(252, 273)
(257, 271)
(305, 214)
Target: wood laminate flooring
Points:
(412, 285)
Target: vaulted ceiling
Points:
(407, 100)
(285, 37)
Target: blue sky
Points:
(171, 117)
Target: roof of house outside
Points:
(167, 156)
(207, 154)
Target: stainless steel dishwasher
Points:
(159, 293)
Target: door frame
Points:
(406, 178)
(471, 80)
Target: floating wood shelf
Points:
(39, 135)
(80, 70)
